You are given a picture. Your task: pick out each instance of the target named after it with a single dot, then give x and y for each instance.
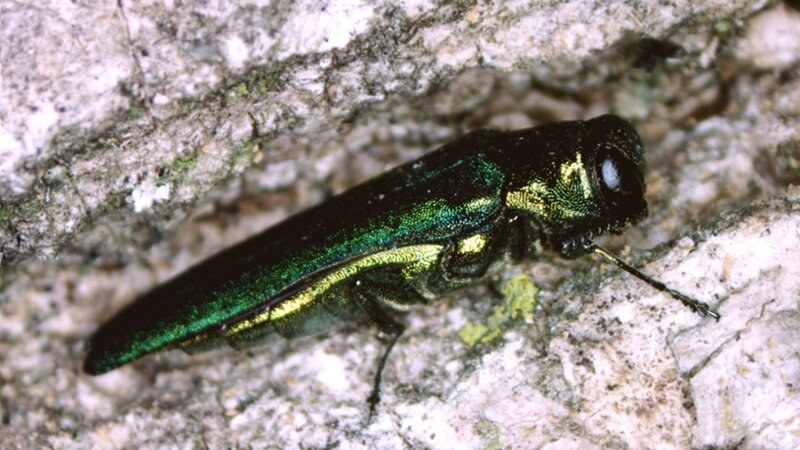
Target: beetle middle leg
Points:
(377, 291)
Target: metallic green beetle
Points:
(407, 237)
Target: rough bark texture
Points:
(135, 139)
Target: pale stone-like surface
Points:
(608, 363)
(97, 99)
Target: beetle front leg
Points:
(472, 257)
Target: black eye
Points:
(619, 179)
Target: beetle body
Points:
(407, 237)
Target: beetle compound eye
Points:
(619, 178)
(622, 186)
(610, 175)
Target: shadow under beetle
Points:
(407, 237)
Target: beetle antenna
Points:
(697, 306)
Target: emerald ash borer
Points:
(407, 237)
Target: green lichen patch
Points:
(184, 163)
(520, 294)
(244, 154)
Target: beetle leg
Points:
(473, 257)
(372, 302)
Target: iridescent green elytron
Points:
(407, 237)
